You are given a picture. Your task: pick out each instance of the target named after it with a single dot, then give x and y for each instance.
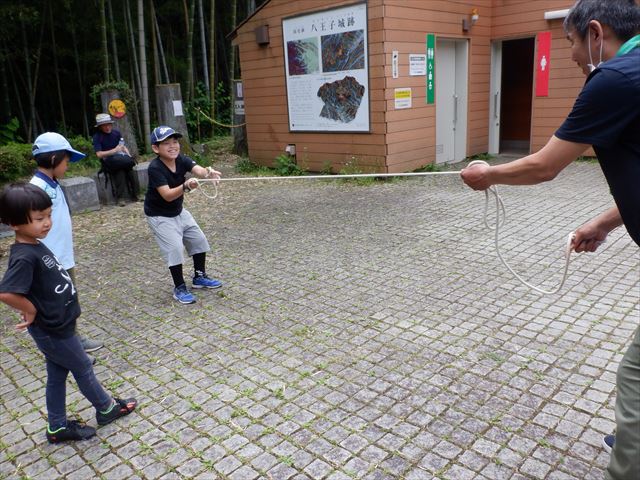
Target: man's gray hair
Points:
(622, 16)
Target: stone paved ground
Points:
(363, 332)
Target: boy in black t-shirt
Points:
(171, 224)
(37, 285)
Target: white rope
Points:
(501, 215)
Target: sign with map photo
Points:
(327, 70)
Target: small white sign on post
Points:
(394, 64)
(238, 107)
(402, 98)
(417, 64)
(177, 108)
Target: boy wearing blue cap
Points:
(172, 225)
(52, 153)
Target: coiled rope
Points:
(500, 220)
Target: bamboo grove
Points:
(54, 53)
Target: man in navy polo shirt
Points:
(605, 43)
(115, 157)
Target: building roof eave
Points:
(232, 35)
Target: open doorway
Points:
(516, 93)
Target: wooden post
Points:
(240, 146)
(171, 112)
(122, 123)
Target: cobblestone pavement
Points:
(364, 331)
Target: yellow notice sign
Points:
(402, 97)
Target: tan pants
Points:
(625, 455)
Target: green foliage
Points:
(286, 165)
(16, 162)
(126, 95)
(326, 168)
(429, 167)
(201, 127)
(9, 132)
(352, 168)
(88, 164)
(244, 165)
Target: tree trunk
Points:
(203, 44)
(105, 50)
(232, 49)
(123, 124)
(143, 76)
(168, 104)
(135, 99)
(5, 116)
(135, 80)
(27, 64)
(114, 44)
(81, 88)
(21, 113)
(154, 46)
(163, 60)
(56, 69)
(212, 58)
(190, 76)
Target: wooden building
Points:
(504, 80)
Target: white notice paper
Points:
(177, 108)
(402, 98)
(417, 64)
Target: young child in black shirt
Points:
(37, 285)
(173, 225)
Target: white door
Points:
(494, 99)
(451, 100)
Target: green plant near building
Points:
(352, 167)
(285, 165)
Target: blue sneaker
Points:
(608, 441)
(203, 281)
(184, 296)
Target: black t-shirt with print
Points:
(159, 175)
(606, 115)
(33, 271)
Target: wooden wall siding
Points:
(266, 96)
(401, 140)
(411, 133)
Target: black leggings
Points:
(120, 169)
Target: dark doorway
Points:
(517, 88)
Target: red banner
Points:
(543, 62)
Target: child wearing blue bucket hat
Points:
(52, 153)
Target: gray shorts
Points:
(173, 232)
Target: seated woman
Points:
(115, 158)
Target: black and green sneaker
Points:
(120, 408)
(73, 431)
